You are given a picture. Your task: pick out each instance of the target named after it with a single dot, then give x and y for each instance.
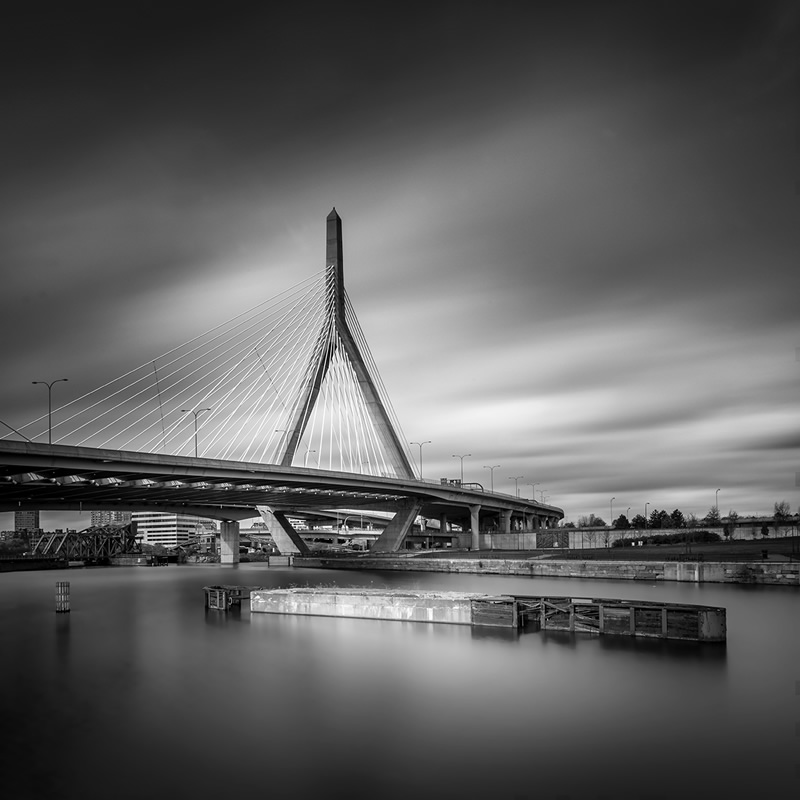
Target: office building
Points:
(26, 521)
(168, 530)
(102, 518)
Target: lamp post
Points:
(466, 455)
(533, 490)
(195, 412)
(611, 513)
(420, 454)
(305, 456)
(516, 479)
(50, 406)
(645, 515)
(716, 502)
(491, 478)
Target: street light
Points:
(198, 411)
(420, 454)
(492, 469)
(516, 479)
(533, 490)
(50, 406)
(716, 502)
(466, 455)
(305, 457)
(611, 524)
(645, 514)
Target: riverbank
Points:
(775, 573)
(23, 564)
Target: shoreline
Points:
(770, 573)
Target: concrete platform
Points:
(588, 615)
(386, 604)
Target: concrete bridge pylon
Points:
(335, 335)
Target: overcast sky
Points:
(571, 229)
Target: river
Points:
(140, 692)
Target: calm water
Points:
(140, 692)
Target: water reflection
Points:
(63, 640)
(220, 619)
(666, 648)
(141, 680)
(497, 634)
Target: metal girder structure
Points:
(92, 544)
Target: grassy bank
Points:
(787, 548)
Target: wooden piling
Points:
(62, 596)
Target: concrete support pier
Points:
(229, 542)
(475, 526)
(286, 538)
(395, 533)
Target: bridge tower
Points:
(335, 334)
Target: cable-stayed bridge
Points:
(279, 409)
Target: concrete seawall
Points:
(448, 607)
(589, 615)
(767, 572)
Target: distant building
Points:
(102, 518)
(26, 521)
(168, 530)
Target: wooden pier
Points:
(222, 598)
(624, 617)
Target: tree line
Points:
(660, 518)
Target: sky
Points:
(571, 230)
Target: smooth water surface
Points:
(140, 692)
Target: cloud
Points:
(570, 235)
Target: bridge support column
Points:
(229, 542)
(506, 521)
(395, 533)
(286, 538)
(475, 526)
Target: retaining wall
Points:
(767, 572)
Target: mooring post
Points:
(62, 596)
